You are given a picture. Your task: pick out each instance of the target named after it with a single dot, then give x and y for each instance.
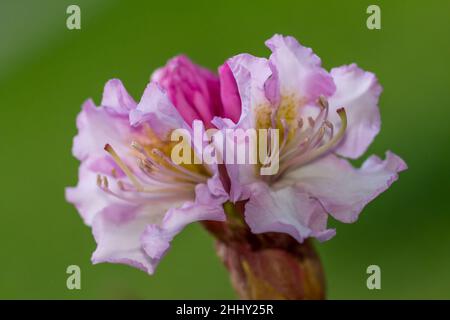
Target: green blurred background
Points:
(47, 71)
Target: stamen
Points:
(317, 137)
(296, 150)
(319, 151)
(105, 182)
(297, 161)
(102, 182)
(151, 195)
(273, 118)
(269, 154)
(323, 114)
(285, 133)
(99, 180)
(135, 145)
(124, 168)
(330, 126)
(323, 102)
(269, 142)
(121, 185)
(169, 161)
(160, 174)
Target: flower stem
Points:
(269, 265)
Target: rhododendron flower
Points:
(135, 198)
(195, 91)
(323, 118)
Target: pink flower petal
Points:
(228, 146)
(286, 210)
(343, 190)
(272, 86)
(250, 74)
(117, 230)
(87, 197)
(119, 205)
(229, 93)
(157, 237)
(299, 69)
(96, 127)
(156, 110)
(192, 89)
(358, 92)
(115, 96)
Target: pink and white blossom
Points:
(129, 191)
(324, 117)
(136, 199)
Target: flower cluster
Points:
(137, 199)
